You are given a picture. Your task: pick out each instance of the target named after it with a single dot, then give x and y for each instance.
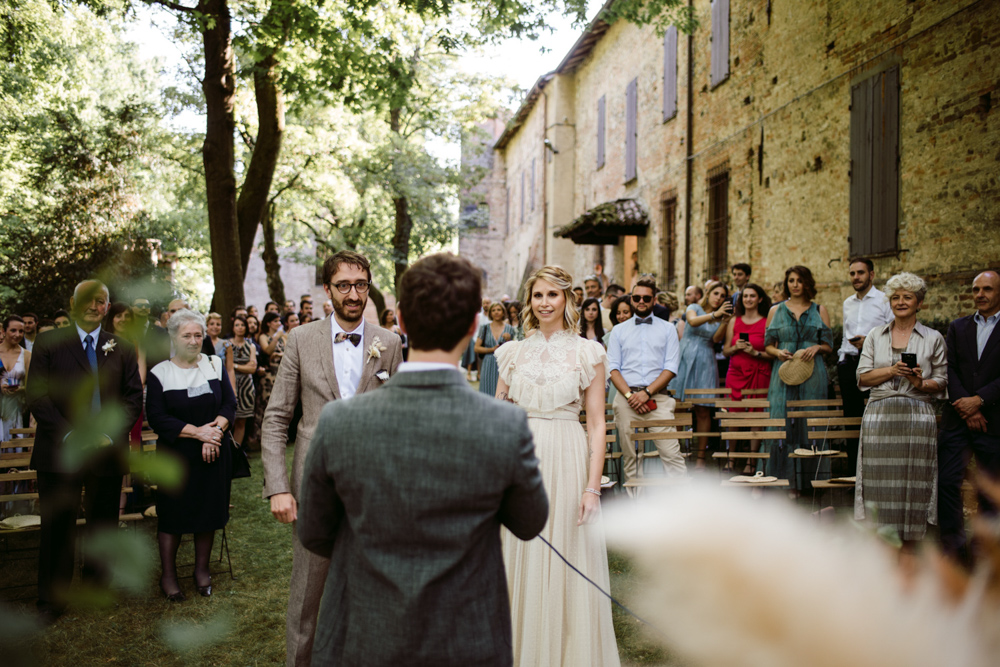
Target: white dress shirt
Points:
(861, 316)
(640, 352)
(348, 360)
(423, 366)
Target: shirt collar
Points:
(979, 319)
(96, 333)
(339, 329)
(872, 293)
(419, 366)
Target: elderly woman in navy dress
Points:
(190, 404)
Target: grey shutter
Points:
(670, 73)
(600, 132)
(861, 169)
(720, 41)
(885, 163)
(532, 184)
(631, 113)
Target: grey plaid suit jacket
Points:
(405, 490)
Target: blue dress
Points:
(697, 368)
(787, 333)
(488, 373)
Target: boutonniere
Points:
(109, 346)
(383, 375)
(376, 349)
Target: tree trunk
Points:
(404, 224)
(218, 156)
(272, 269)
(251, 207)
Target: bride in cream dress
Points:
(558, 618)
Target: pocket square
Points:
(383, 375)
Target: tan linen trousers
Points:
(669, 450)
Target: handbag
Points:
(240, 462)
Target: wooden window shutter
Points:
(600, 131)
(720, 42)
(532, 184)
(631, 130)
(670, 73)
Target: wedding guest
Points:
(750, 364)
(693, 294)
(778, 293)
(245, 365)
(578, 296)
(46, 324)
(271, 307)
(215, 344)
(289, 307)
(897, 456)
(621, 311)
(327, 308)
(971, 421)
(593, 286)
(387, 320)
(591, 326)
(30, 330)
(697, 368)
(252, 437)
(252, 312)
(13, 374)
(864, 310)
(190, 404)
(611, 294)
(492, 335)
(514, 317)
(741, 276)
(61, 319)
(796, 325)
(288, 322)
(272, 344)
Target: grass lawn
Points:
(243, 623)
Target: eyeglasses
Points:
(643, 298)
(345, 287)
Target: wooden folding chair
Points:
(733, 432)
(640, 435)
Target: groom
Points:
(405, 490)
(326, 360)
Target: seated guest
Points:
(971, 422)
(897, 456)
(190, 404)
(591, 326)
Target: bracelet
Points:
(596, 492)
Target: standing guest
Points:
(62, 362)
(436, 552)
(611, 294)
(697, 368)
(514, 317)
(13, 373)
(245, 365)
(552, 375)
(61, 319)
(272, 345)
(778, 293)
(741, 276)
(643, 355)
(864, 310)
(693, 294)
(190, 405)
(289, 307)
(470, 360)
(152, 342)
(30, 330)
(327, 309)
(492, 335)
(237, 312)
(897, 457)
(971, 423)
(119, 322)
(797, 327)
(323, 361)
(271, 307)
(750, 364)
(387, 320)
(578, 296)
(621, 311)
(593, 286)
(252, 312)
(215, 344)
(591, 325)
(140, 312)
(288, 322)
(45, 324)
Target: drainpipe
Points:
(545, 179)
(689, 160)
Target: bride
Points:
(558, 618)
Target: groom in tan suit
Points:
(325, 360)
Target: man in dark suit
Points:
(405, 490)
(85, 392)
(971, 423)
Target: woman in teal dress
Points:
(798, 323)
(492, 335)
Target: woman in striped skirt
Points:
(897, 457)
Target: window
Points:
(631, 130)
(532, 184)
(717, 232)
(875, 164)
(668, 244)
(600, 132)
(670, 74)
(720, 41)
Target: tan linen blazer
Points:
(306, 373)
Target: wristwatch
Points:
(628, 395)
(648, 392)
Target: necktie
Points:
(91, 350)
(646, 320)
(353, 337)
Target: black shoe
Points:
(173, 597)
(204, 591)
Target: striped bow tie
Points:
(353, 337)
(647, 320)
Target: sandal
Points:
(758, 478)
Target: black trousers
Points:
(854, 404)
(955, 447)
(59, 504)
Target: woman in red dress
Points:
(749, 364)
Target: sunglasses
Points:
(642, 298)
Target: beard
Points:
(642, 309)
(340, 309)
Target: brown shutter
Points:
(670, 73)
(720, 41)
(631, 132)
(861, 169)
(600, 132)
(885, 167)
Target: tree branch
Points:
(173, 5)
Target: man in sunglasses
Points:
(643, 356)
(325, 360)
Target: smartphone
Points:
(744, 336)
(855, 339)
(910, 359)
(651, 404)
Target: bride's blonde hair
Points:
(560, 279)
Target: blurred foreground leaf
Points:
(125, 553)
(189, 636)
(17, 630)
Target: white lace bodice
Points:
(545, 375)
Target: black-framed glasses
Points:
(345, 287)
(644, 298)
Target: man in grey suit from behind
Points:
(405, 490)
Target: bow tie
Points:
(353, 337)
(646, 320)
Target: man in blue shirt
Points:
(643, 355)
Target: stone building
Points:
(777, 133)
